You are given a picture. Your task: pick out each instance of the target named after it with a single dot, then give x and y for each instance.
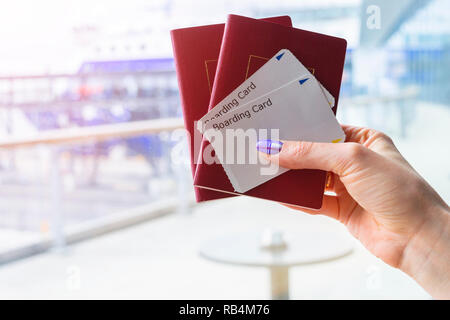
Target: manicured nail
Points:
(269, 146)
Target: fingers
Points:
(338, 158)
(361, 144)
(363, 135)
(375, 141)
(370, 138)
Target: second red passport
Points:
(246, 46)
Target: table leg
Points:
(279, 283)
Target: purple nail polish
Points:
(269, 146)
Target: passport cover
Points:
(247, 44)
(196, 52)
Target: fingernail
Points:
(269, 146)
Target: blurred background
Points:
(94, 202)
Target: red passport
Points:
(247, 44)
(196, 51)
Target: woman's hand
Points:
(383, 202)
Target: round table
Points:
(277, 251)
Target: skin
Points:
(382, 201)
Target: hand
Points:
(383, 202)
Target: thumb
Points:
(338, 158)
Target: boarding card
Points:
(296, 111)
(282, 68)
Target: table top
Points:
(304, 247)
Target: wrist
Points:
(427, 254)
